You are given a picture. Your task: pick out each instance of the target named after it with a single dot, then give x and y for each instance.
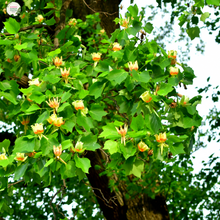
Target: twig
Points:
(105, 13)
(12, 184)
(107, 157)
(26, 28)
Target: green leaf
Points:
(117, 76)
(55, 52)
(37, 97)
(204, 16)
(148, 27)
(137, 123)
(97, 112)
(69, 124)
(137, 168)
(49, 162)
(51, 21)
(177, 150)
(52, 79)
(63, 106)
(24, 145)
(32, 108)
(49, 5)
(155, 123)
(144, 77)
(128, 150)
(5, 85)
(12, 26)
(85, 122)
(165, 89)
(96, 89)
(191, 110)
(28, 3)
(9, 97)
(6, 42)
(20, 47)
(109, 131)
(83, 163)
(43, 117)
(4, 144)
(20, 171)
(83, 93)
(213, 2)
(65, 96)
(193, 32)
(66, 144)
(133, 10)
(111, 146)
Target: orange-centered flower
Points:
(146, 97)
(116, 46)
(20, 157)
(172, 54)
(38, 128)
(39, 18)
(161, 138)
(122, 132)
(57, 150)
(78, 104)
(58, 121)
(52, 118)
(3, 157)
(58, 61)
(96, 56)
(174, 70)
(102, 31)
(133, 66)
(124, 22)
(34, 82)
(142, 146)
(25, 121)
(54, 103)
(79, 147)
(72, 22)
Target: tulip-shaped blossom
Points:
(25, 122)
(96, 56)
(102, 31)
(65, 74)
(184, 101)
(124, 22)
(161, 138)
(174, 71)
(79, 147)
(54, 104)
(38, 129)
(58, 121)
(58, 61)
(133, 66)
(122, 132)
(116, 46)
(146, 97)
(39, 18)
(3, 156)
(57, 152)
(78, 104)
(20, 157)
(52, 118)
(172, 54)
(72, 22)
(34, 82)
(142, 146)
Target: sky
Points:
(204, 65)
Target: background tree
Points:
(126, 182)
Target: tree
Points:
(96, 112)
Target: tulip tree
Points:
(92, 112)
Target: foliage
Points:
(77, 99)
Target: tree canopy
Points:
(98, 127)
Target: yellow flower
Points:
(38, 128)
(96, 56)
(3, 157)
(52, 118)
(58, 121)
(122, 132)
(84, 111)
(34, 82)
(25, 121)
(79, 147)
(54, 103)
(57, 150)
(116, 46)
(58, 62)
(124, 22)
(102, 31)
(39, 18)
(78, 104)
(146, 97)
(65, 74)
(133, 66)
(20, 157)
(161, 138)
(142, 146)
(174, 70)
(72, 22)
(172, 54)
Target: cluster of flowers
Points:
(161, 138)
(172, 55)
